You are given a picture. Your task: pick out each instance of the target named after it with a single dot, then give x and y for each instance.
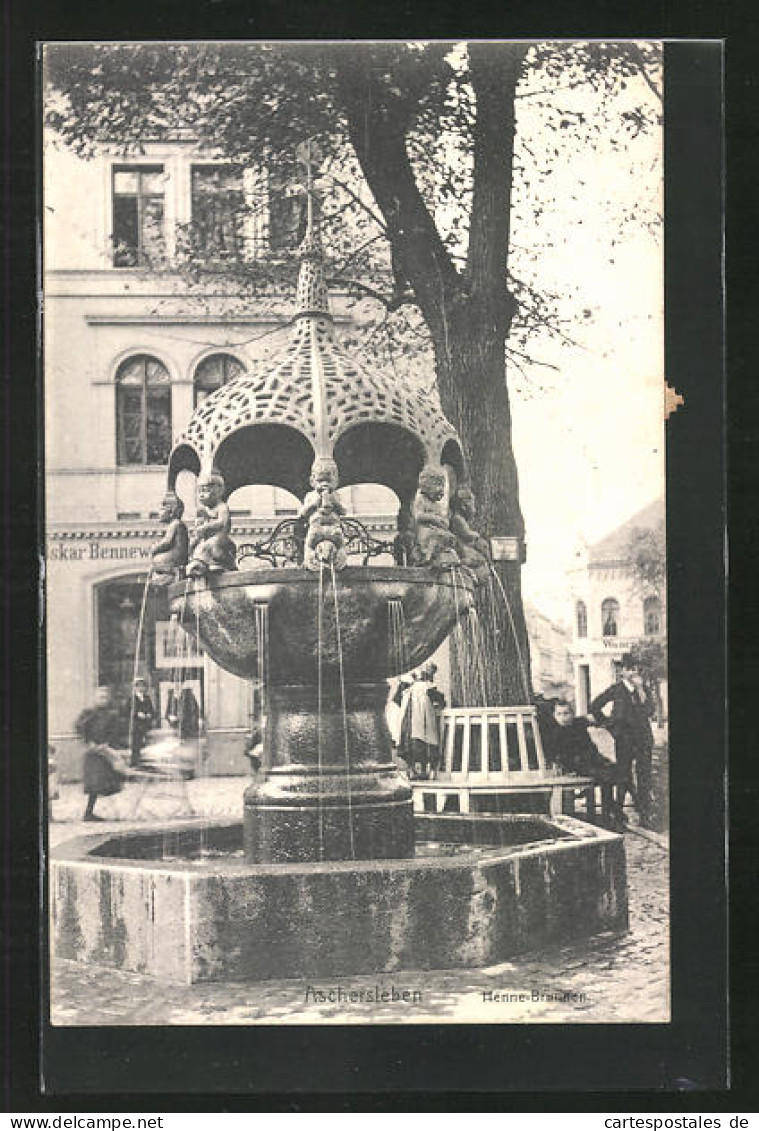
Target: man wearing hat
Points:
(142, 718)
(632, 707)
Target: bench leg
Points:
(590, 801)
(607, 803)
(556, 801)
(464, 801)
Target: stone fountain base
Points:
(517, 883)
(332, 791)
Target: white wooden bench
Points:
(492, 752)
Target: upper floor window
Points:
(582, 619)
(652, 616)
(287, 213)
(143, 411)
(218, 209)
(138, 215)
(213, 372)
(610, 617)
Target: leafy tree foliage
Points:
(430, 151)
(646, 552)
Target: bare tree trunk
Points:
(468, 314)
(472, 382)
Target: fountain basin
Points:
(226, 608)
(323, 645)
(517, 883)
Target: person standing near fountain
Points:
(632, 708)
(254, 748)
(420, 724)
(102, 729)
(142, 718)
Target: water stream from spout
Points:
(138, 653)
(460, 649)
(520, 657)
(319, 661)
(477, 651)
(397, 625)
(341, 671)
(201, 751)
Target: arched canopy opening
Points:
(452, 456)
(382, 453)
(268, 453)
(365, 500)
(183, 458)
(186, 488)
(263, 500)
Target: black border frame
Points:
(291, 1068)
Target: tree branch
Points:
(377, 117)
(637, 56)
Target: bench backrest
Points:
(492, 745)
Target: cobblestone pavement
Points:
(607, 979)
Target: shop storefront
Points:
(95, 599)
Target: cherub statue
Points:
(321, 510)
(211, 548)
(170, 552)
(474, 550)
(435, 544)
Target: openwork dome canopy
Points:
(316, 400)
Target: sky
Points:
(589, 437)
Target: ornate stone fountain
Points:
(329, 883)
(314, 420)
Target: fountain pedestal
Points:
(325, 649)
(332, 791)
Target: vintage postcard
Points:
(355, 564)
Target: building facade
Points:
(131, 345)
(611, 611)
(550, 661)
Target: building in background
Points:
(550, 660)
(131, 345)
(614, 610)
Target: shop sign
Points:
(614, 644)
(96, 549)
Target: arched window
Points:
(582, 619)
(610, 617)
(652, 616)
(143, 411)
(213, 372)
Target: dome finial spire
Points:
(312, 298)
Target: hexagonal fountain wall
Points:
(481, 890)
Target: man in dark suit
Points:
(143, 718)
(570, 748)
(632, 707)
